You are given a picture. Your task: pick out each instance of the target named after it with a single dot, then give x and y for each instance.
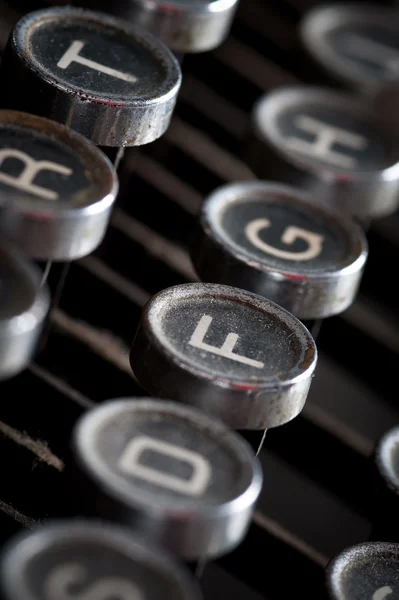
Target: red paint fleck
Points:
(243, 386)
(296, 277)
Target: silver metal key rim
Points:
(34, 314)
(384, 458)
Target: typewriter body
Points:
(329, 498)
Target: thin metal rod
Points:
(315, 327)
(201, 564)
(59, 286)
(261, 442)
(119, 156)
(46, 273)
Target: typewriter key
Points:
(23, 308)
(111, 82)
(369, 570)
(330, 144)
(226, 351)
(84, 560)
(171, 472)
(56, 188)
(183, 26)
(357, 44)
(272, 240)
(387, 459)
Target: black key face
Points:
(166, 455)
(387, 458)
(230, 338)
(368, 570)
(45, 165)
(373, 50)
(332, 138)
(89, 560)
(95, 59)
(93, 569)
(60, 176)
(357, 44)
(285, 235)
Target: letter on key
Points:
(356, 44)
(228, 352)
(111, 81)
(329, 143)
(275, 241)
(183, 479)
(89, 560)
(66, 216)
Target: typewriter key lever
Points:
(78, 560)
(357, 44)
(330, 144)
(365, 571)
(110, 81)
(274, 241)
(56, 188)
(175, 475)
(23, 308)
(226, 351)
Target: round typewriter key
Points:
(226, 351)
(387, 459)
(23, 308)
(82, 560)
(330, 144)
(181, 478)
(56, 188)
(357, 44)
(110, 81)
(369, 570)
(272, 240)
(184, 26)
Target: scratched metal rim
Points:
(101, 193)
(147, 42)
(26, 546)
(84, 437)
(324, 20)
(37, 304)
(264, 120)
(338, 570)
(384, 459)
(306, 362)
(213, 210)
